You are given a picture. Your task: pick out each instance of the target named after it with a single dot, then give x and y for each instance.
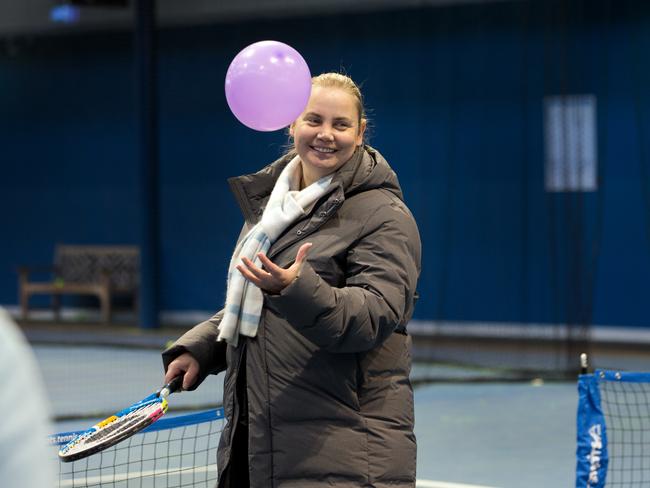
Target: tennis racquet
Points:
(120, 426)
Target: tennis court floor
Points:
(502, 435)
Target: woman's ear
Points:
(291, 129)
(362, 131)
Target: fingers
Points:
(276, 270)
(260, 278)
(267, 279)
(255, 270)
(270, 266)
(272, 277)
(184, 365)
(302, 252)
(191, 376)
(248, 274)
(173, 371)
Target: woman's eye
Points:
(312, 121)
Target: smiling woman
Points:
(313, 332)
(330, 129)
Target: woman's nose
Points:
(325, 134)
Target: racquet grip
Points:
(171, 387)
(175, 384)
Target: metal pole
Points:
(147, 96)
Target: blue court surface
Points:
(510, 435)
(470, 435)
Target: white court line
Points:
(442, 484)
(146, 474)
(116, 478)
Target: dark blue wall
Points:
(456, 98)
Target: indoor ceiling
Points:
(27, 17)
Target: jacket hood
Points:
(367, 169)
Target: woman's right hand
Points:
(184, 365)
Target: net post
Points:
(584, 363)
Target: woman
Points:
(313, 336)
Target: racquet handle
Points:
(171, 387)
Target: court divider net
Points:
(174, 452)
(613, 430)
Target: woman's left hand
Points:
(273, 278)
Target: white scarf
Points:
(244, 300)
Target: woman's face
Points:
(327, 132)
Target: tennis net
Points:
(174, 452)
(613, 430)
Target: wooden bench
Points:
(102, 271)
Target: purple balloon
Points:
(268, 85)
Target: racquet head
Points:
(121, 425)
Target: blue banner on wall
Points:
(591, 453)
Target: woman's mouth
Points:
(323, 150)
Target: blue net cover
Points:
(591, 453)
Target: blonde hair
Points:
(345, 83)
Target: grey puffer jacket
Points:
(329, 398)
